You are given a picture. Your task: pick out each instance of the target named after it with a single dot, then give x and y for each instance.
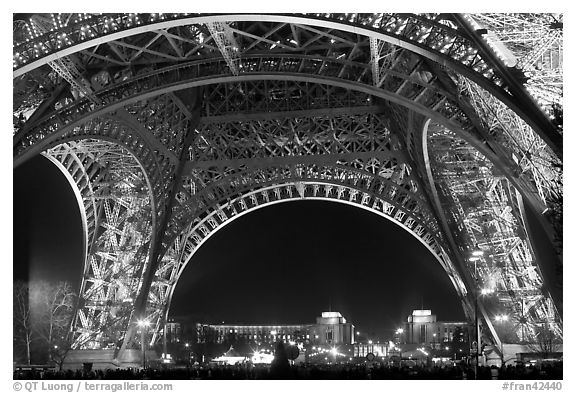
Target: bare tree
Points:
(545, 342)
(52, 307)
(23, 332)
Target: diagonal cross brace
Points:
(224, 38)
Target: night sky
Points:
(281, 264)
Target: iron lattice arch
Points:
(171, 125)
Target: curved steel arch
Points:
(216, 217)
(398, 197)
(115, 220)
(393, 31)
(213, 71)
(116, 133)
(69, 165)
(459, 122)
(154, 115)
(465, 53)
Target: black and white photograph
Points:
(287, 196)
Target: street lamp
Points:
(143, 324)
(476, 254)
(398, 334)
(500, 318)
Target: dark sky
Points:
(47, 227)
(285, 263)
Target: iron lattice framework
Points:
(172, 125)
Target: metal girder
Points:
(136, 126)
(484, 214)
(539, 120)
(299, 106)
(431, 98)
(64, 65)
(119, 217)
(158, 236)
(536, 44)
(438, 104)
(224, 38)
(428, 35)
(418, 30)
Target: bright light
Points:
(486, 291)
(423, 351)
(477, 253)
(369, 341)
(357, 333)
(143, 323)
(262, 358)
(500, 318)
(399, 331)
(334, 351)
(473, 259)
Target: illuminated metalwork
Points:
(486, 213)
(119, 227)
(535, 44)
(172, 125)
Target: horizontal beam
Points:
(264, 162)
(235, 117)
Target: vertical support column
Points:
(191, 99)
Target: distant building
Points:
(173, 332)
(423, 328)
(331, 328)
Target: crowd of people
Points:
(302, 371)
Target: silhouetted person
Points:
(280, 367)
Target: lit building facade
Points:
(173, 332)
(422, 328)
(377, 349)
(330, 329)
